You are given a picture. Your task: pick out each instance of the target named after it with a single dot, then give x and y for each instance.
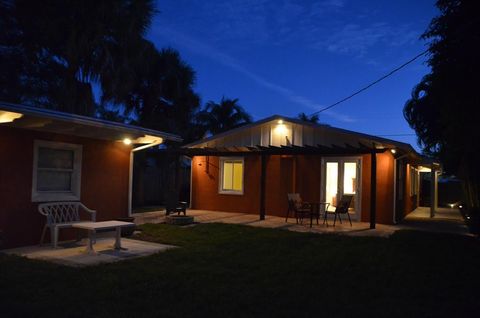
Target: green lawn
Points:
(237, 271)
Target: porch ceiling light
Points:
(280, 122)
(8, 117)
(127, 141)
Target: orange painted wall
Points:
(104, 185)
(286, 174)
(205, 172)
(384, 200)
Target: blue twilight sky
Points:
(286, 56)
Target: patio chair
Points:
(341, 208)
(300, 208)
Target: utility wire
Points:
(372, 83)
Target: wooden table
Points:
(93, 227)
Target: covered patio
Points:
(265, 153)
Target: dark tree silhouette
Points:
(52, 52)
(220, 117)
(311, 119)
(444, 105)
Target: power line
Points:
(372, 83)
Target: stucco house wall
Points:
(104, 182)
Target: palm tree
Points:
(220, 117)
(53, 53)
(311, 119)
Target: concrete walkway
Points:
(446, 220)
(417, 221)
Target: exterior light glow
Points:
(8, 117)
(127, 141)
(280, 122)
(393, 151)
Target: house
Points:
(48, 155)
(252, 168)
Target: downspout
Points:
(395, 187)
(130, 172)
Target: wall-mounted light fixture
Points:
(127, 141)
(394, 151)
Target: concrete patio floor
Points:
(205, 216)
(73, 253)
(445, 222)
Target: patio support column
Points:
(373, 190)
(433, 191)
(263, 177)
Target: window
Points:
(56, 171)
(231, 174)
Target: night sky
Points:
(287, 57)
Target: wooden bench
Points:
(62, 215)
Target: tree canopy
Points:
(309, 118)
(52, 53)
(220, 117)
(56, 54)
(443, 106)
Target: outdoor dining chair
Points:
(301, 209)
(341, 208)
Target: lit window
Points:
(56, 171)
(231, 173)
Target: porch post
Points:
(263, 177)
(373, 190)
(433, 191)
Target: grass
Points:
(238, 271)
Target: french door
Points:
(342, 176)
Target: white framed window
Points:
(56, 171)
(231, 175)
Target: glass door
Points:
(341, 176)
